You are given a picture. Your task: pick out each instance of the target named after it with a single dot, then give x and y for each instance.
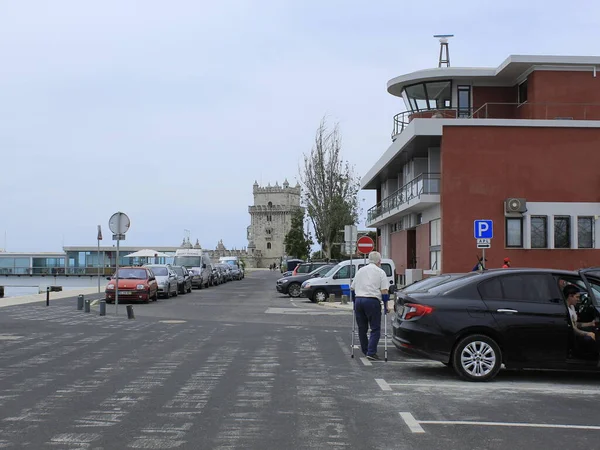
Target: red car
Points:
(135, 283)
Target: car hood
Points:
(160, 278)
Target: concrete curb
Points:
(337, 305)
(35, 298)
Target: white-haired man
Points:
(369, 289)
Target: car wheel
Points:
(319, 296)
(477, 358)
(294, 290)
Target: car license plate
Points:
(125, 292)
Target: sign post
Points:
(99, 239)
(483, 231)
(119, 224)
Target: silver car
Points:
(166, 279)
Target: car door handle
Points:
(508, 311)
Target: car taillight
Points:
(412, 310)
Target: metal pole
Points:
(353, 301)
(483, 258)
(98, 266)
(47, 295)
(117, 276)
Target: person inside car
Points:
(572, 293)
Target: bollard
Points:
(80, 302)
(130, 312)
(344, 299)
(87, 306)
(102, 307)
(48, 296)
(331, 298)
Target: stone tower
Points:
(271, 219)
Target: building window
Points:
(522, 92)
(270, 204)
(268, 246)
(514, 232)
(436, 260)
(539, 232)
(435, 233)
(464, 101)
(585, 232)
(428, 96)
(268, 231)
(269, 218)
(562, 232)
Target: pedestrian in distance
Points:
(369, 289)
(506, 263)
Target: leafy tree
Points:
(330, 188)
(297, 242)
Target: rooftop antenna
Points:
(444, 46)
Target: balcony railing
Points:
(539, 111)
(426, 183)
(492, 110)
(402, 119)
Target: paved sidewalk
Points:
(35, 298)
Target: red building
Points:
(518, 144)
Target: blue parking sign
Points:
(484, 229)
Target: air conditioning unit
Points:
(515, 205)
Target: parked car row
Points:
(147, 283)
(326, 279)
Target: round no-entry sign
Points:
(365, 245)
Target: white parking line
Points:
(506, 386)
(365, 361)
(411, 422)
(383, 385)
(415, 425)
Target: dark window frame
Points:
(412, 102)
(506, 221)
(569, 225)
(545, 220)
(459, 109)
(521, 90)
(549, 280)
(592, 221)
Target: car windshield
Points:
(428, 283)
(331, 271)
(321, 270)
(160, 271)
(133, 274)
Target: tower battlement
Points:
(283, 189)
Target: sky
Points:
(169, 111)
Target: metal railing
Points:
(538, 111)
(401, 120)
(425, 183)
(499, 110)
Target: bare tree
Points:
(330, 187)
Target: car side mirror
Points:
(204, 266)
(108, 278)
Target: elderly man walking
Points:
(369, 289)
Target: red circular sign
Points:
(365, 245)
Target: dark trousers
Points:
(368, 314)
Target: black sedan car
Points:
(515, 317)
(291, 285)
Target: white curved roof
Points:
(506, 73)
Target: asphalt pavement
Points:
(239, 366)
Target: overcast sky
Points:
(169, 110)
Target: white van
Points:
(318, 289)
(198, 263)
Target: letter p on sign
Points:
(484, 229)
